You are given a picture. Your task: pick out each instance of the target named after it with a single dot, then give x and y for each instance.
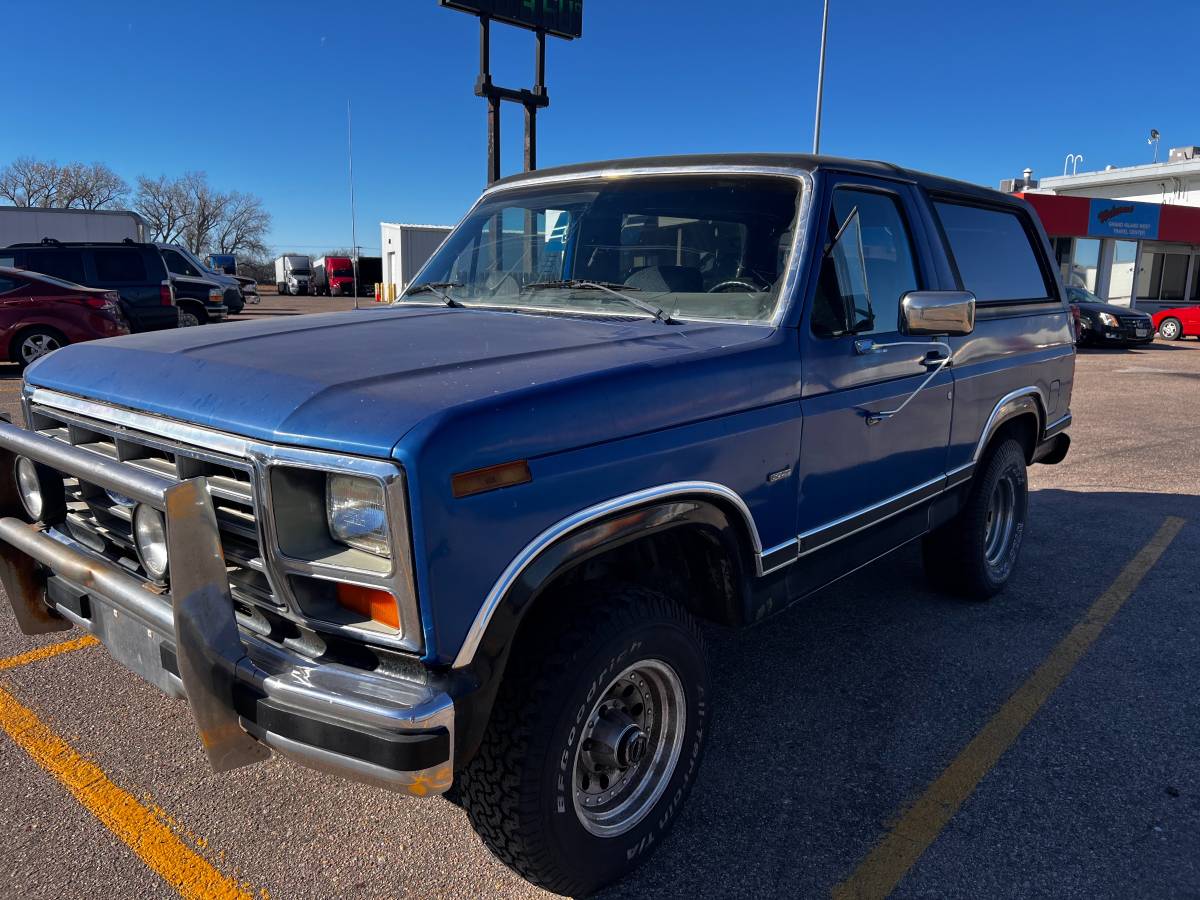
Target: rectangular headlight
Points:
(357, 513)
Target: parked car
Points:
(200, 301)
(1178, 323)
(332, 276)
(199, 284)
(1105, 324)
(135, 271)
(463, 542)
(249, 289)
(40, 313)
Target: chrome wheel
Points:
(1169, 330)
(188, 320)
(35, 346)
(630, 746)
(1001, 519)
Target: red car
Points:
(40, 313)
(1176, 324)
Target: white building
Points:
(405, 249)
(1141, 251)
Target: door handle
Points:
(937, 358)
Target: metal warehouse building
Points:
(406, 248)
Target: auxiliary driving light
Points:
(41, 491)
(150, 538)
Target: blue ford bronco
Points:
(464, 544)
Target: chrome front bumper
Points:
(246, 694)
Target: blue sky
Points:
(254, 93)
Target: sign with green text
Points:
(561, 18)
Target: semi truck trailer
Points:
(292, 273)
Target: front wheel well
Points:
(195, 307)
(693, 564)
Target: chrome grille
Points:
(103, 522)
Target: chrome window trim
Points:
(530, 552)
(261, 456)
(804, 214)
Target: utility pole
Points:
(820, 81)
(353, 215)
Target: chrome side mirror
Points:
(937, 312)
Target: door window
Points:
(120, 266)
(9, 284)
(177, 265)
(867, 268)
(64, 264)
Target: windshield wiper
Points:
(582, 285)
(439, 289)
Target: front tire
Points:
(974, 554)
(591, 748)
(1170, 329)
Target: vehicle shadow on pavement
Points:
(830, 721)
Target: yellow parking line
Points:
(878, 874)
(154, 842)
(46, 652)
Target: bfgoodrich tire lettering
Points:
(974, 554)
(523, 789)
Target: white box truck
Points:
(292, 272)
(29, 224)
(406, 248)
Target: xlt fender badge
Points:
(779, 476)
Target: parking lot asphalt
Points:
(1042, 744)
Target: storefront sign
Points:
(1123, 219)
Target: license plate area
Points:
(1142, 332)
(129, 641)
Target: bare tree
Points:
(243, 225)
(30, 182)
(44, 183)
(165, 206)
(90, 187)
(206, 208)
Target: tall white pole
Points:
(820, 81)
(353, 215)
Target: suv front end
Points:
(150, 533)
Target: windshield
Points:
(304, 272)
(341, 273)
(698, 247)
(1080, 295)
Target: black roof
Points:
(778, 160)
(51, 243)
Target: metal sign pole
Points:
(353, 215)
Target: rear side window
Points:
(119, 265)
(994, 253)
(9, 284)
(64, 264)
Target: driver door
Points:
(857, 471)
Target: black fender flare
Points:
(481, 675)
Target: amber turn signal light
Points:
(478, 481)
(377, 605)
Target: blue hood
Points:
(357, 382)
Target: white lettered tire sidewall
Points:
(609, 858)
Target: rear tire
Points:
(974, 554)
(33, 343)
(189, 318)
(594, 740)
(1170, 329)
